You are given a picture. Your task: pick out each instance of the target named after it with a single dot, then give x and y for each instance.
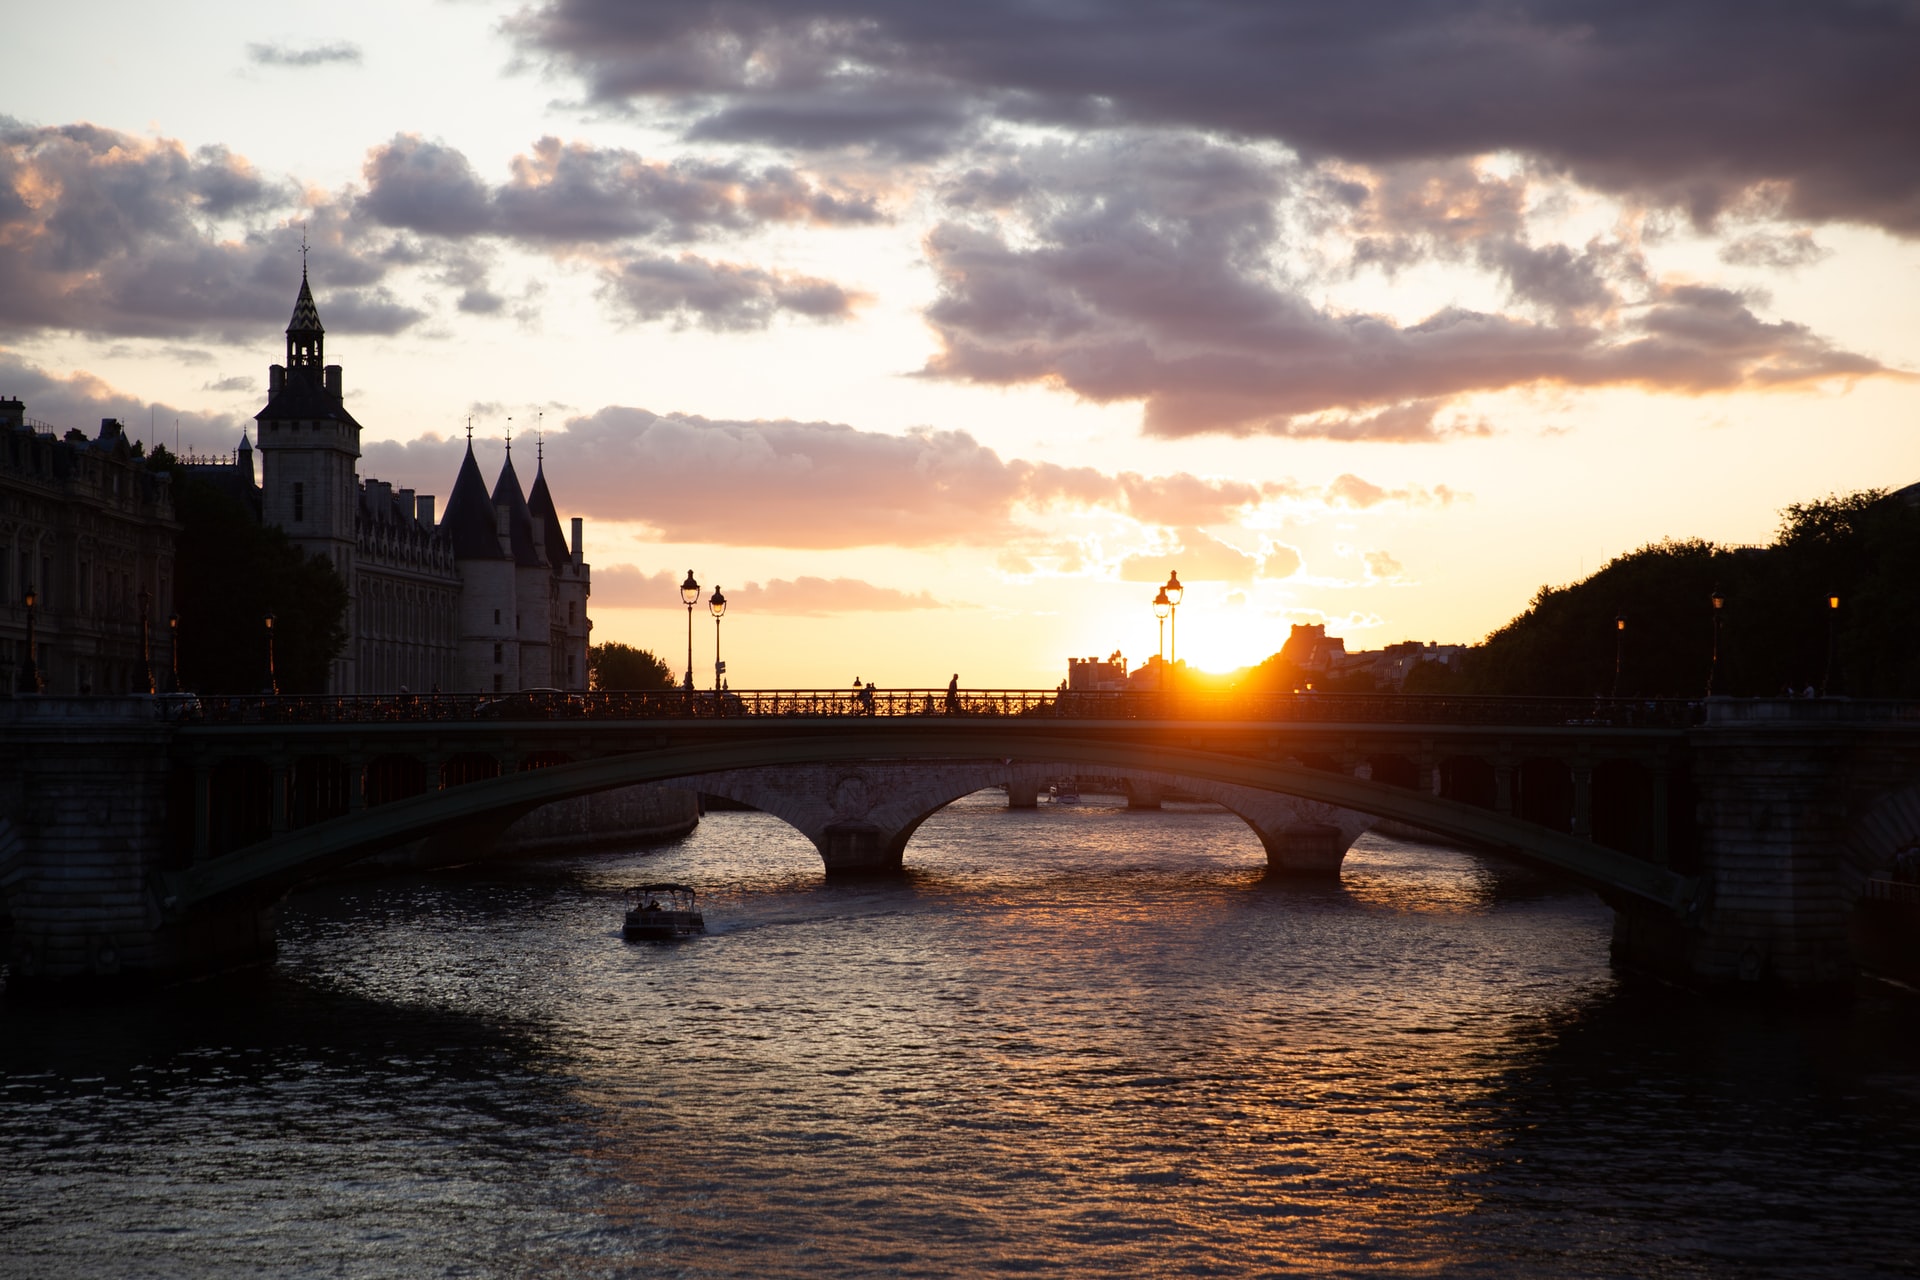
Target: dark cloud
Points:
(239, 382)
(820, 485)
(106, 233)
(1147, 270)
(720, 296)
(1699, 105)
(279, 55)
(572, 193)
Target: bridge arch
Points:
(272, 866)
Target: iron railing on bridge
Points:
(1326, 708)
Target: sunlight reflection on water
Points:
(1076, 1040)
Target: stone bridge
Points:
(144, 838)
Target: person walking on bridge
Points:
(953, 695)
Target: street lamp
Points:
(273, 674)
(690, 596)
(1833, 617)
(1161, 608)
(30, 670)
(1619, 648)
(1174, 591)
(718, 604)
(146, 640)
(1713, 664)
(173, 648)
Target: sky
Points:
(938, 335)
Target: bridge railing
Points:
(1039, 704)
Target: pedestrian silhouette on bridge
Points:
(953, 695)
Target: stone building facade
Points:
(89, 530)
(488, 598)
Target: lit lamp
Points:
(30, 670)
(1713, 665)
(1833, 617)
(1174, 591)
(1161, 608)
(273, 674)
(173, 648)
(1619, 648)
(718, 604)
(690, 596)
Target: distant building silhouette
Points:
(489, 599)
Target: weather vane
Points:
(303, 250)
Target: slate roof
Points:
(506, 491)
(468, 519)
(306, 316)
(305, 397)
(540, 503)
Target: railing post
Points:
(356, 782)
(1503, 782)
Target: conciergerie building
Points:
(490, 597)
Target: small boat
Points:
(1068, 793)
(662, 913)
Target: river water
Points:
(1076, 1041)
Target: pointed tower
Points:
(486, 640)
(533, 579)
(309, 445)
(571, 584)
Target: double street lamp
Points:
(718, 604)
(1713, 664)
(1173, 591)
(690, 596)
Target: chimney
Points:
(276, 380)
(579, 551)
(109, 428)
(424, 506)
(407, 506)
(333, 381)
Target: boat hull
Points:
(663, 926)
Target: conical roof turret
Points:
(468, 520)
(540, 503)
(306, 316)
(507, 493)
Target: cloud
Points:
(277, 55)
(1350, 490)
(1381, 566)
(1703, 107)
(1780, 251)
(1146, 270)
(719, 295)
(238, 382)
(820, 484)
(1201, 557)
(623, 586)
(574, 193)
(81, 400)
(105, 233)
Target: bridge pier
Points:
(1142, 794)
(1023, 793)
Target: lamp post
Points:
(173, 649)
(690, 596)
(146, 640)
(30, 670)
(273, 673)
(1713, 664)
(717, 603)
(1174, 591)
(1161, 608)
(1833, 617)
(1619, 648)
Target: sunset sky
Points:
(938, 334)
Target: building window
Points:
(299, 501)
(498, 683)
(569, 668)
(496, 654)
(496, 617)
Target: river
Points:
(1076, 1041)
